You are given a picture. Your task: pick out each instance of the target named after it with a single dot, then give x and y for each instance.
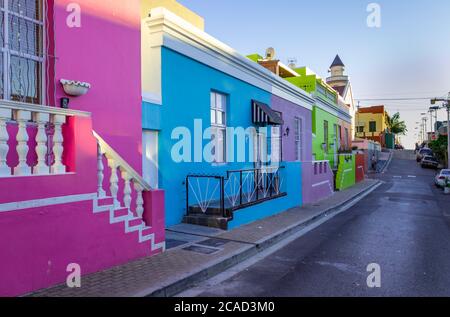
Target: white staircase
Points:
(132, 220)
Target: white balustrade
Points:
(127, 189)
(28, 117)
(41, 140)
(100, 172)
(129, 176)
(113, 180)
(22, 117)
(5, 115)
(58, 140)
(139, 200)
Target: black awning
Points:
(262, 114)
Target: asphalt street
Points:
(403, 227)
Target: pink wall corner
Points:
(83, 147)
(48, 239)
(154, 211)
(105, 52)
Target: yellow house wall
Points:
(365, 118)
(175, 7)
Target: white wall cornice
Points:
(168, 30)
(328, 107)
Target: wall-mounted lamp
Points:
(65, 103)
(288, 130)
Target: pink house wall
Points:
(38, 243)
(105, 52)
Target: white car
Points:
(441, 178)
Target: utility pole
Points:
(431, 121)
(446, 102)
(424, 125)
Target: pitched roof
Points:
(337, 62)
(340, 90)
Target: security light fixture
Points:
(65, 103)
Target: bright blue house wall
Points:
(186, 88)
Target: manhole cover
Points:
(201, 249)
(172, 243)
(215, 243)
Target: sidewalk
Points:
(199, 253)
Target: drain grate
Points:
(172, 243)
(215, 243)
(201, 249)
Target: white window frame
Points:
(7, 52)
(298, 138)
(219, 129)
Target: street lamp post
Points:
(446, 102)
(424, 126)
(431, 121)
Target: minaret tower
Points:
(337, 78)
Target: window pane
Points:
(24, 79)
(24, 36)
(28, 8)
(213, 100)
(220, 117)
(223, 102)
(213, 117)
(2, 29)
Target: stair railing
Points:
(129, 175)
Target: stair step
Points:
(210, 211)
(135, 222)
(147, 231)
(105, 201)
(207, 221)
(121, 212)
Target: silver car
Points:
(422, 153)
(441, 178)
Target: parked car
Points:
(441, 178)
(429, 161)
(422, 153)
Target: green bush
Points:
(439, 148)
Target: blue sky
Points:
(409, 56)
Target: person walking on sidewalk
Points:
(374, 163)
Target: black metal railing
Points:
(221, 195)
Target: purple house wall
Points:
(317, 178)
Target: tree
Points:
(395, 125)
(439, 148)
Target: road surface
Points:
(403, 227)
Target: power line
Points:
(395, 99)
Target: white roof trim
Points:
(333, 110)
(180, 36)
